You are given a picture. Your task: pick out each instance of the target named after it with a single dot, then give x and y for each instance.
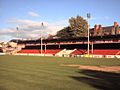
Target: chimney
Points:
(100, 32)
(115, 24)
(100, 26)
(95, 29)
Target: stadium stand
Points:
(105, 52)
(51, 51)
(36, 51)
(29, 51)
(79, 52)
(64, 52)
(103, 41)
(118, 53)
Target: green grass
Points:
(46, 73)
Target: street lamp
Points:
(88, 17)
(17, 34)
(41, 37)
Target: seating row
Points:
(75, 52)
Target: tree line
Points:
(77, 28)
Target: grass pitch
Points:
(46, 73)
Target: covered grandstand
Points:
(100, 46)
(104, 42)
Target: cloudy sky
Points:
(28, 15)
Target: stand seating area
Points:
(72, 52)
(98, 52)
(105, 52)
(52, 51)
(79, 52)
(36, 51)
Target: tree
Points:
(79, 26)
(72, 22)
(65, 33)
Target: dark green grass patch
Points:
(46, 73)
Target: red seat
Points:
(105, 52)
(36, 51)
(52, 51)
(78, 52)
(29, 51)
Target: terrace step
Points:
(64, 52)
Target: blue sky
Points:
(28, 15)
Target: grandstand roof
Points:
(79, 39)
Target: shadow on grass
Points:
(100, 80)
(3, 88)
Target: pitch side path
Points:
(49, 73)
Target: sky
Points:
(28, 15)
